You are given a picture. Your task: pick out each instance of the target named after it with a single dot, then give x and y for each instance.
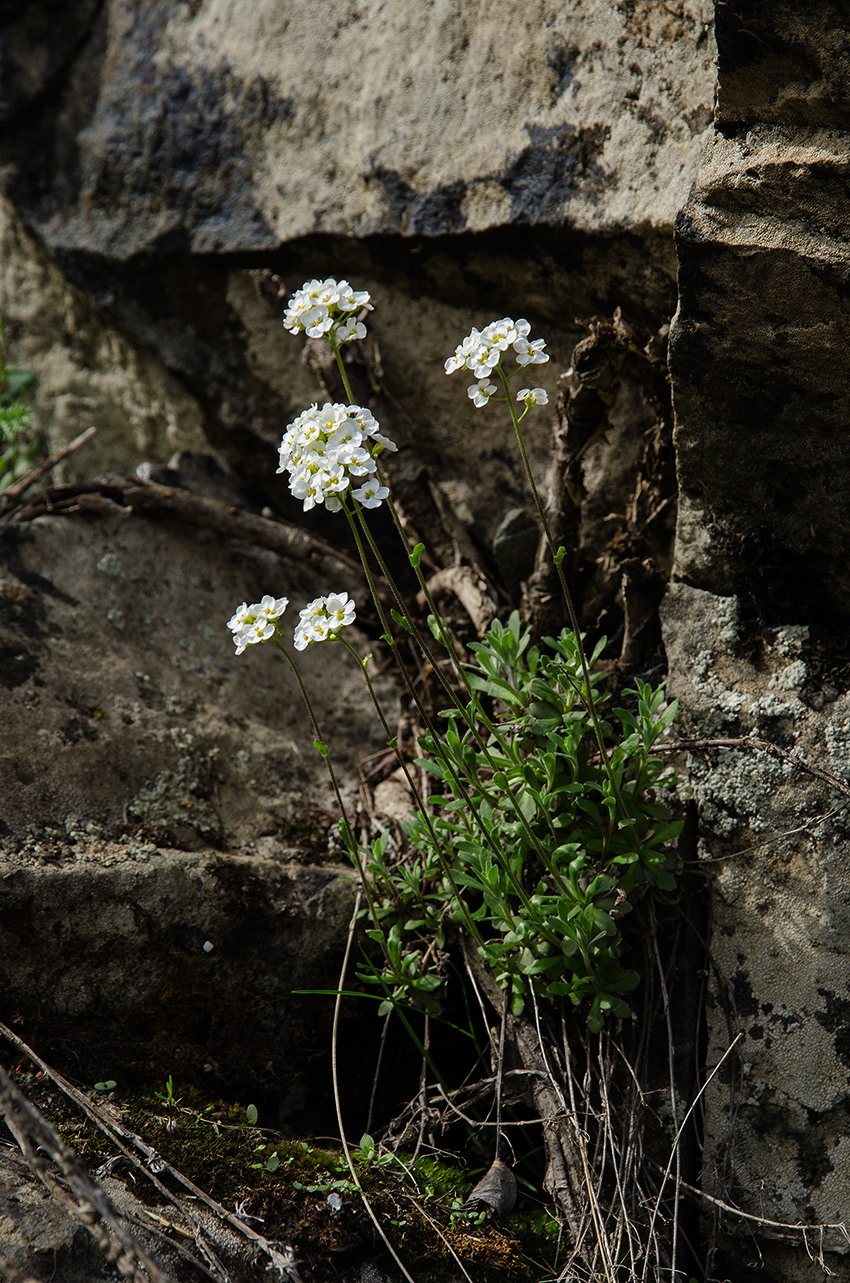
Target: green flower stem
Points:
(587, 699)
(353, 844)
(457, 783)
(438, 846)
(494, 800)
(341, 366)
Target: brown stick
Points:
(280, 1256)
(36, 473)
(86, 1199)
(148, 497)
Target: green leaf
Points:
(251, 1114)
(321, 747)
(416, 555)
(402, 621)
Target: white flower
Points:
(530, 353)
(324, 449)
(322, 618)
(482, 351)
(350, 329)
(371, 494)
(319, 307)
(253, 624)
(481, 392)
(533, 396)
(340, 610)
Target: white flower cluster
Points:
(323, 618)
(252, 624)
(482, 351)
(324, 307)
(323, 450)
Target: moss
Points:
(213, 1144)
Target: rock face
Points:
(409, 150)
(89, 373)
(236, 131)
(753, 627)
(758, 346)
(157, 793)
(772, 846)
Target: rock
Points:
(186, 128)
(783, 63)
(158, 792)
(123, 682)
(41, 1239)
(89, 373)
(760, 368)
(771, 843)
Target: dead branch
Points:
(149, 498)
(83, 1197)
(280, 1257)
(18, 488)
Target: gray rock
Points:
(186, 128)
(783, 62)
(89, 372)
(772, 843)
(761, 375)
(134, 742)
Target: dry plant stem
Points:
(118, 1135)
(672, 1078)
(335, 1076)
(580, 1145)
(35, 474)
(564, 1179)
(750, 741)
(676, 1138)
(87, 1201)
(136, 495)
(381, 1048)
(840, 1227)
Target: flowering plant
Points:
(506, 850)
(255, 623)
(323, 618)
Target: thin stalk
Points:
(353, 844)
(457, 783)
(341, 368)
(470, 722)
(337, 1104)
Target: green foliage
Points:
(15, 419)
(525, 846)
